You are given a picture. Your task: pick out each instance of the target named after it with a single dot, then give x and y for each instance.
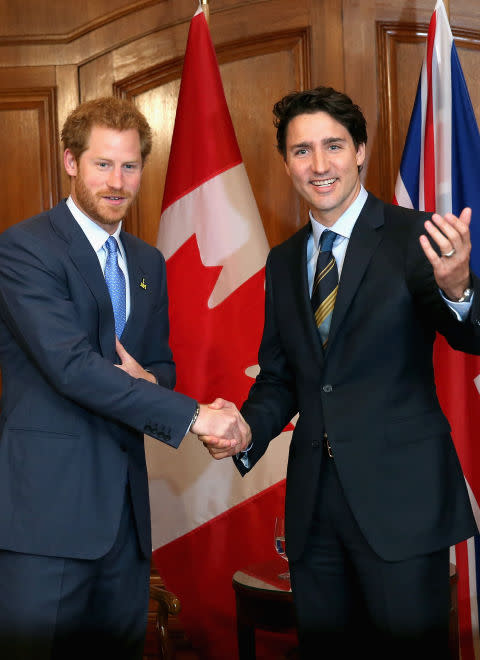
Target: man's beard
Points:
(90, 203)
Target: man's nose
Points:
(319, 161)
(115, 178)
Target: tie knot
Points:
(111, 245)
(326, 240)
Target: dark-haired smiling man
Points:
(375, 493)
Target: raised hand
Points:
(452, 236)
(130, 365)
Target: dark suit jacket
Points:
(372, 390)
(72, 423)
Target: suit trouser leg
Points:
(56, 608)
(349, 600)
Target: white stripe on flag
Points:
(401, 194)
(442, 112)
(472, 580)
(472, 576)
(424, 95)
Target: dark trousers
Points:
(58, 609)
(351, 603)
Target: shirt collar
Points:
(94, 233)
(345, 223)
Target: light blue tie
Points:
(116, 285)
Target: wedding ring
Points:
(449, 254)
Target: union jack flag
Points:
(439, 172)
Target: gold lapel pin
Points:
(143, 284)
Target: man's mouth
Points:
(323, 183)
(118, 199)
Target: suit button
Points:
(327, 388)
(316, 444)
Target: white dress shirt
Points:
(97, 238)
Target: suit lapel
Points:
(86, 261)
(363, 241)
(301, 290)
(139, 291)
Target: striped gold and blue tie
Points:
(325, 285)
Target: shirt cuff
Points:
(243, 456)
(460, 309)
(194, 418)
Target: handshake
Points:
(219, 425)
(222, 429)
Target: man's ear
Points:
(361, 154)
(70, 163)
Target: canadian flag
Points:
(207, 521)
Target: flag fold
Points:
(439, 172)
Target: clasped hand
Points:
(222, 429)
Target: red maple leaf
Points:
(212, 348)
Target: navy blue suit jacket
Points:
(372, 390)
(72, 424)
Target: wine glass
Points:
(279, 541)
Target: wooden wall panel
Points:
(28, 129)
(400, 52)
(468, 48)
(40, 22)
(401, 49)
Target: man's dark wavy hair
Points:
(320, 99)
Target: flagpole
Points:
(206, 11)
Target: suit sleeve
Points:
(37, 307)
(272, 402)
